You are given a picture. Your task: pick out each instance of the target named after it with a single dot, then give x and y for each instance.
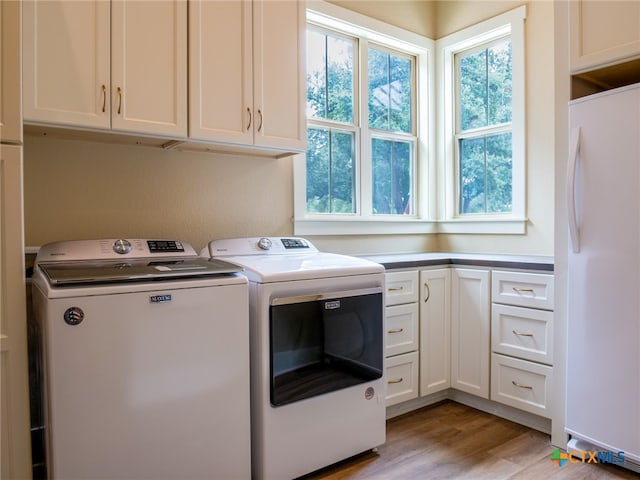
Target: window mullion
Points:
(365, 163)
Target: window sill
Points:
(353, 226)
(496, 226)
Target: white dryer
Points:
(317, 362)
(146, 357)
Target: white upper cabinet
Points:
(96, 64)
(221, 71)
(246, 64)
(10, 75)
(149, 67)
(66, 52)
(279, 73)
(603, 33)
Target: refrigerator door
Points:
(603, 364)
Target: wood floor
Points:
(453, 441)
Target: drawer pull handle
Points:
(522, 334)
(426, 285)
(396, 380)
(395, 289)
(395, 330)
(524, 290)
(519, 385)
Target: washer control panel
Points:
(113, 249)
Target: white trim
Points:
(387, 226)
(343, 20)
(362, 226)
(446, 48)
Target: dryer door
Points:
(323, 343)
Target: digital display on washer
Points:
(294, 243)
(164, 246)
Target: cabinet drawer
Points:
(521, 384)
(401, 329)
(402, 378)
(522, 332)
(522, 289)
(401, 287)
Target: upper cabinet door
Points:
(221, 71)
(149, 67)
(603, 33)
(279, 73)
(66, 62)
(10, 73)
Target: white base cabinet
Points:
(522, 340)
(487, 332)
(470, 330)
(435, 330)
(401, 336)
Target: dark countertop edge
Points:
(481, 262)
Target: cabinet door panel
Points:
(149, 67)
(470, 331)
(603, 33)
(221, 71)
(10, 73)
(66, 59)
(279, 72)
(435, 330)
(14, 372)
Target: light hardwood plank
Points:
(453, 441)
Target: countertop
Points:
(417, 260)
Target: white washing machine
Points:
(146, 357)
(316, 321)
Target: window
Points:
(366, 166)
(483, 126)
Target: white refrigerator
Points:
(603, 304)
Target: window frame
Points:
(509, 24)
(376, 34)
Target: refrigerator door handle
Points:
(574, 233)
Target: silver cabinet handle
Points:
(395, 289)
(396, 380)
(395, 330)
(522, 334)
(519, 385)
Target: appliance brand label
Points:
(332, 305)
(160, 298)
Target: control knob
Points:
(122, 246)
(264, 243)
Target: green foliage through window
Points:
(484, 129)
(334, 127)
